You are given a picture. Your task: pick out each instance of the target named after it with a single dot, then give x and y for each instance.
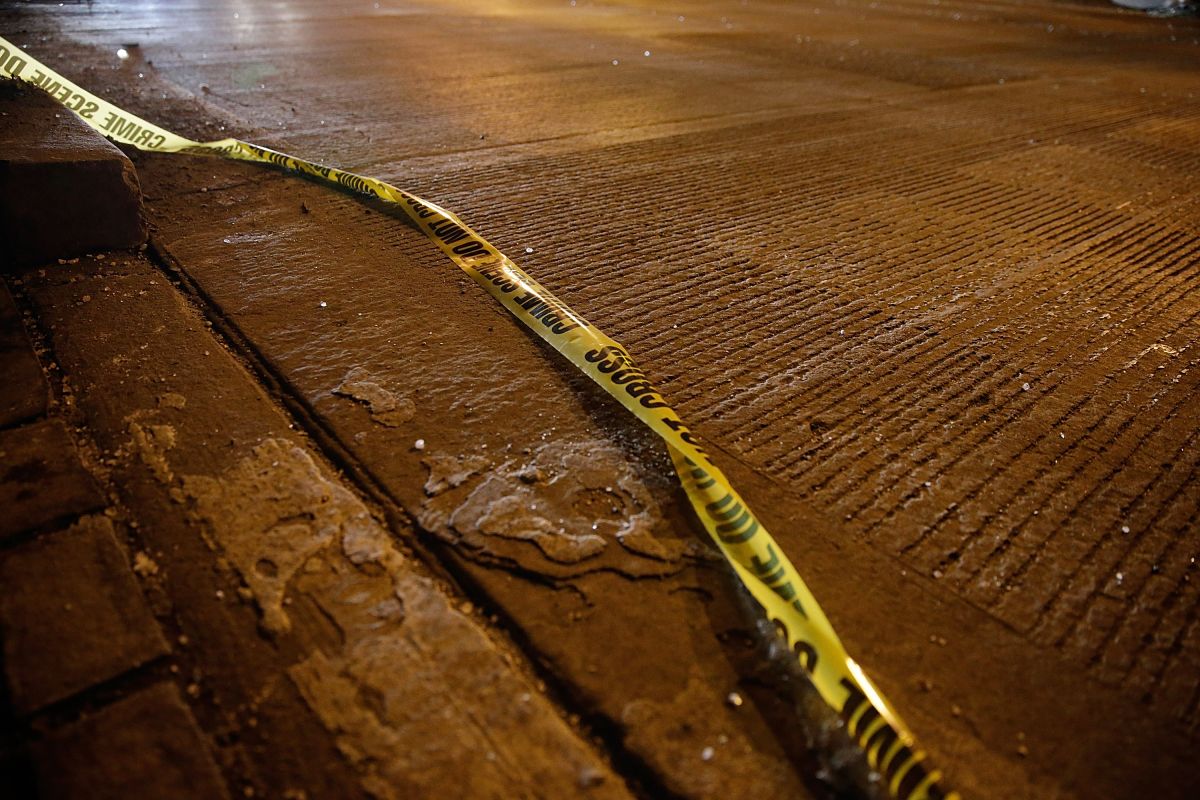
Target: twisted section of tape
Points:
(755, 557)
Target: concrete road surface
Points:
(924, 273)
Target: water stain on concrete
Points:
(251, 76)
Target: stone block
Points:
(42, 481)
(146, 746)
(71, 615)
(65, 190)
(23, 394)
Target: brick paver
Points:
(71, 615)
(146, 746)
(23, 393)
(42, 481)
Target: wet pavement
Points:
(922, 274)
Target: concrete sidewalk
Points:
(922, 275)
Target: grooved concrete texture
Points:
(922, 273)
(64, 189)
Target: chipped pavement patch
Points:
(385, 407)
(569, 500)
(412, 687)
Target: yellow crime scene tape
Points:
(755, 557)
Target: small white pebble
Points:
(419, 444)
(1120, 577)
(707, 754)
(323, 304)
(530, 249)
(1124, 529)
(646, 53)
(615, 62)
(734, 699)
(122, 53)
(1024, 387)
